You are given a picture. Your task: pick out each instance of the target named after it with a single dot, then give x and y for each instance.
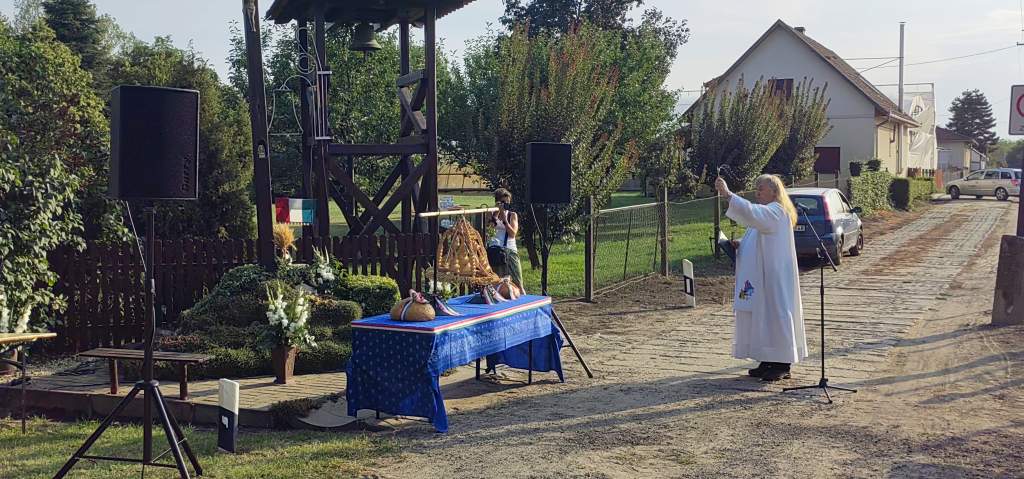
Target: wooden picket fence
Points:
(103, 285)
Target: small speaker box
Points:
(154, 143)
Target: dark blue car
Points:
(836, 221)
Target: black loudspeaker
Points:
(548, 173)
(154, 143)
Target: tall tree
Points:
(972, 116)
(53, 178)
(27, 13)
(49, 105)
(561, 15)
(76, 24)
(224, 208)
(738, 129)
(557, 89)
(807, 107)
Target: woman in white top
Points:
(506, 226)
(767, 303)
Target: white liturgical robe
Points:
(769, 312)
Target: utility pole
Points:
(899, 144)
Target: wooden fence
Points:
(104, 284)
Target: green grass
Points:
(263, 454)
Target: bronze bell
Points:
(362, 39)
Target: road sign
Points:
(1017, 110)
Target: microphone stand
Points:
(822, 254)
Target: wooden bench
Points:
(181, 360)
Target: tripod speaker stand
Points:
(822, 254)
(150, 389)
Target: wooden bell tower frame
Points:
(328, 166)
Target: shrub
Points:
(234, 363)
(332, 312)
(226, 336)
(870, 191)
(375, 294)
(904, 192)
(322, 333)
(242, 279)
(855, 168)
(343, 334)
(188, 343)
(326, 356)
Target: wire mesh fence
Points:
(626, 243)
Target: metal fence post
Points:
(817, 178)
(588, 254)
(837, 178)
(664, 231)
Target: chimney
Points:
(800, 29)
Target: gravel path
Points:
(940, 391)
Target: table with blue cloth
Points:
(396, 365)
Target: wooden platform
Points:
(87, 394)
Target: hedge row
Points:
(870, 191)
(904, 192)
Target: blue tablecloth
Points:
(395, 365)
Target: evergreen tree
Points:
(972, 116)
(76, 25)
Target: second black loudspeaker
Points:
(548, 173)
(154, 143)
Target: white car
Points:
(999, 182)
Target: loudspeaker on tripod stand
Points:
(154, 136)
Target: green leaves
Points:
(738, 128)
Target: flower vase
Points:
(283, 359)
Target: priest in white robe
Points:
(767, 304)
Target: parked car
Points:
(999, 182)
(836, 221)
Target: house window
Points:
(782, 86)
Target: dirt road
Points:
(940, 392)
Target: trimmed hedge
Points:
(326, 356)
(904, 192)
(376, 294)
(325, 311)
(870, 191)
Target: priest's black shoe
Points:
(776, 372)
(760, 369)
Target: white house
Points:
(866, 124)
(958, 152)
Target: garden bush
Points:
(375, 294)
(325, 311)
(904, 192)
(326, 356)
(870, 191)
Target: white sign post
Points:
(1017, 110)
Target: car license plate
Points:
(798, 228)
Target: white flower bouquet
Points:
(288, 321)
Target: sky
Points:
(721, 30)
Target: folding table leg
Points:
(529, 373)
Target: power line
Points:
(880, 65)
(872, 58)
(938, 60)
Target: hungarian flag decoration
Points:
(295, 210)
